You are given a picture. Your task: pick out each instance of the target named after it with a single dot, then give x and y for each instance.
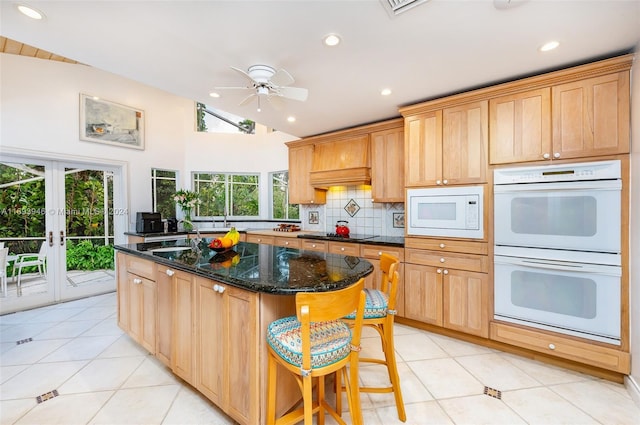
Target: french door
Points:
(66, 211)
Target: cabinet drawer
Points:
(447, 245)
(313, 245)
(260, 239)
(344, 248)
(375, 251)
(287, 242)
(470, 262)
(140, 267)
(555, 345)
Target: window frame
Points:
(154, 195)
(271, 197)
(228, 201)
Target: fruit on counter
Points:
(231, 238)
(216, 243)
(234, 235)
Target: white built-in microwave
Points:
(455, 212)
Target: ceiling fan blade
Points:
(244, 74)
(281, 78)
(247, 99)
(295, 93)
(276, 101)
(233, 88)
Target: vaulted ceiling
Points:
(436, 48)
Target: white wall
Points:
(39, 113)
(633, 383)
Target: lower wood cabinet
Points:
(183, 331)
(164, 322)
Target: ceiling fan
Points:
(265, 82)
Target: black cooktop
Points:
(336, 237)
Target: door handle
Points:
(61, 238)
(50, 238)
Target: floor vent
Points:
(47, 396)
(396, 7)
(492, 392)
(24, 341)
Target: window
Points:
(211, 120)
(235, 195)
(280, 206)
(163, 187)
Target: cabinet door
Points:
(591, 117)
(241, 365)
(520, 127)
(164, 294)
(210, 341)
(424, 283)
(466, 302)
(268, 240)
(287, 242)
(183, 330)
(423, 149)
(142, 311)
(300, 189)
(465, 135)
(124, 303)
(387, 165)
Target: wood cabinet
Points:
(447, 289)
(164, 322)
(387, 165)
(314, 245)
(341, 161)
(183, 332)
(591, 117)
(137, 300)
(227, 348)
(448, 146)
(300, 189)
(256, 238)
(520, 127)
(287, 242)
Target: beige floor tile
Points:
(83, 348)
(479, 409)
(543, 406)
(424, 413)
(31, 352)
(124, 346)
(545, 373)
(455, 347)
(8, 372)
(55, 315)
(150, 373)
(20, 331)
(190, 407)
(413, 390)
(412, 347)
(12, 410)
(136, 406)
(95, 312)
(105, 327)
(445, 378)
(597, 399)
(39, 379)
(57, 411)
(67, 329)
(101, 375)
(495, 372)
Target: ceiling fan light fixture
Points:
(385, 92)
(291, 119)
(30, 12)
(331, 40)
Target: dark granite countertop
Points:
(397, 241)
(257, 267)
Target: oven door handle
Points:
(558, 186)
(560, 265)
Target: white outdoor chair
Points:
(4, 253)
(31, 260)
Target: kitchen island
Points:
(204, 314)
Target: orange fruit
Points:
(226, 242)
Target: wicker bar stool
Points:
(313, 344)
(379, 314)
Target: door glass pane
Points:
(89, 227)
(573, 296)
(558, 216)
(22, 228)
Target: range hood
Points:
(342, 162)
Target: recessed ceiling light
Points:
(291, 119)
(549, 46)
(30, 12)
(332, 40)
(214, 94)
(385, 92)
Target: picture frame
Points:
(398, 219)
(110, 123)
(314, 217)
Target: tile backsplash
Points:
(354, 204)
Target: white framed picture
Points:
(111, 123)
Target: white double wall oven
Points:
(557, 253)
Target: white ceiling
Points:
(436, 48)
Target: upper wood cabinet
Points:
(300, 189)
(448, 146)
(520, 127)
(387, 165)
(591, 117)
(343, 161)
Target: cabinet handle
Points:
(379, 253)
(439, 271)
(445, 271)
(313, 245)
(546, 156)
(445, 181)
(286, 243)
(442, 245)
(170, 272)
(137, 281)
(218, 288)
(438, 182)
(552, 347)
(442, 260)
(342, 249)
(556, 155)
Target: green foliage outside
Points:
(201, 123)
(84, 255)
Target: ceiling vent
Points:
(396, 7)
